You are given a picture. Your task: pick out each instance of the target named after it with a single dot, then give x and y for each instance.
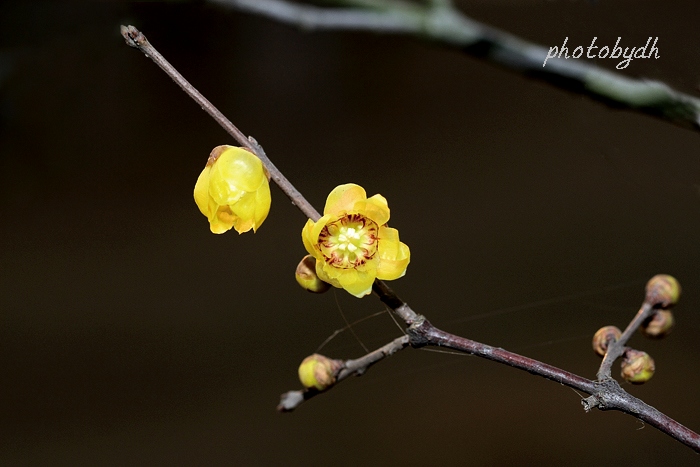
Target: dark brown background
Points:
(130, 335)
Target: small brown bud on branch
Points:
(307, 278)
(662, 291)
(658, 325)
(604, 337)
(637, 366)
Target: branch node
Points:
(416, 334)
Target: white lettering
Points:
(627, 53)
(588, 52)
(550, 55)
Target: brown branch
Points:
(442, 23)
(605, 395)
(425, 334)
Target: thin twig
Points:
(293, 399)
(441, 22)
(136, 39)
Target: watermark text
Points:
(604, 52)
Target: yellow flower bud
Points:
(318, 371)
(307, 278)
(233, 190)
(352, 243)
(658, 325)
(604, 337)
(637, 366)
(663, 291)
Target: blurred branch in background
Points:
(439, 21)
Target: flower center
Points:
(349, 241)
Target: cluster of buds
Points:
(662, 293)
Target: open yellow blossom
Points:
(352, 243)
(233, 190)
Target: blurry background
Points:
(131, 335)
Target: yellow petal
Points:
(347, 277)
(263, 200)
(242, 225)
(375, 208)
(332, 272)
(222, 220)
(214, 209)
(388, 242)
(371, 263)
(321, 268)
(393, 268)
(244, 209)
(201, 192)
(235, 173)
(306, 238)
(343, 198)
(241, 168)
(357, 283)
(223, 191)
(318, 227)
(394, 255)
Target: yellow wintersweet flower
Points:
(352, 243)
(233, 190)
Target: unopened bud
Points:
(658, 325)
(637, 366)
(604, 337)
(318, 371)
(663, 291)
(307, 278)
